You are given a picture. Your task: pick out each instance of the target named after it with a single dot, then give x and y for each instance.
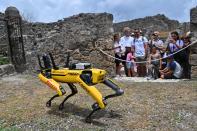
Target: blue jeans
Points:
(129, 65)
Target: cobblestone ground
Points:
(155, 106)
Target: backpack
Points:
(142, 39)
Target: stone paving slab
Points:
(144, 79)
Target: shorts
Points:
(116, 60)
(140, 59)
(129, 65)
(155, 63)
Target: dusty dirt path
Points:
(144, 106)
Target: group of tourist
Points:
(151, 58)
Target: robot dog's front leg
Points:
(96, 95)
(113, 86)
(73, 92)
(53, 85)
(89, 117)
(48, 104)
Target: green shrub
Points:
(4, 60)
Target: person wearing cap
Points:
(173, 69)
(155, 41)
(125, 43)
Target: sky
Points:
(122, 10)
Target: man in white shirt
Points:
(125, 41)
(139, 45)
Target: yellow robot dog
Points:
(80, 73)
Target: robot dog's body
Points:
(80, 73)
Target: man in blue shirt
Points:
(173, 69)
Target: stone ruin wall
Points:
(80, 34)
(193, 27)
(3, 37)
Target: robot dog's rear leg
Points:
(73, 92)
(48, 104)
(118, 91)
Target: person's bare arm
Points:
(149, 59)
(114, 48)
(174, 42)
(146, 48)
(164, 70)
(160, 63)
(168, 73)
(133, 46)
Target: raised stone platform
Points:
(144, 79)
(6, 69)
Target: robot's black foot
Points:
(48, 104)
(89, 117)
(61, 106)
(95, 106)
(88, 120)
